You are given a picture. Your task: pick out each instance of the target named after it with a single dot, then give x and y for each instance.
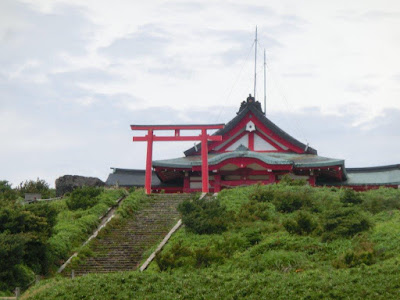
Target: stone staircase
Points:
(121, 247)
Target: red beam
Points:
(203, 137)
(176, 138)
(248, 172)
(223, 149)
(177, 127)
(243, 182)
(243, 162)
(230, 134)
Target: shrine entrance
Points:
(203, 137)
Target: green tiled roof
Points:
(383, 175)
(297, 160)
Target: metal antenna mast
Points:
(255, 65)
(265, 86)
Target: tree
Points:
(6, 191)
(39, 186)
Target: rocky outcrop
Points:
(68, 183)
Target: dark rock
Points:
(67, 183)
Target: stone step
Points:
(122, 248)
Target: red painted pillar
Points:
(251, 141)
(311, 180)
(272, 178)
(149, 158)
(204, 161)
(217, 183)
(186, 183)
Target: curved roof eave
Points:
(231, 124)
(271, 159)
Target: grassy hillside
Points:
(285, 241)
(36, 239)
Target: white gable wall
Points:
(244, 140)
(272, 139)
(262, 145)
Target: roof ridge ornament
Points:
(250, 101)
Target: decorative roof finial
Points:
(250, 99)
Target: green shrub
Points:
(262, 194)
(280, 260)
(234, 198)
(83, 198)
(12, 251)
(353, 259)
(6, 192)
(176, 257)
(302, 223)
(132, 203)
(204, 216)
(288, 181)
(349, 196)
(253, 236)
(44, 210)
(381, 199)
(344, 222)
(253, 211)
(232, 243)
(290, 200)
(181, 256)
(206, 256)
(35, 223)
(362, 253)
(23, 275)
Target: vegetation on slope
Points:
(35, 239)
(284, 241)
(131, 204)
(75, 223)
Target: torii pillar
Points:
(203, 137)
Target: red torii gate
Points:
(203, 137)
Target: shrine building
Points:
(247, 150)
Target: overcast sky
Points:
(74, 75)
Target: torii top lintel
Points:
(203, 137)
(174, 127)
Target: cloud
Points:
(299, 74)
(336, 135)
(148, 41)
(239, 42)
(380, 15)
(182, 6)
(396, 77)
(253, 10)
(361, 88)
(368, 16)
(42, 37)
(89, 74)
